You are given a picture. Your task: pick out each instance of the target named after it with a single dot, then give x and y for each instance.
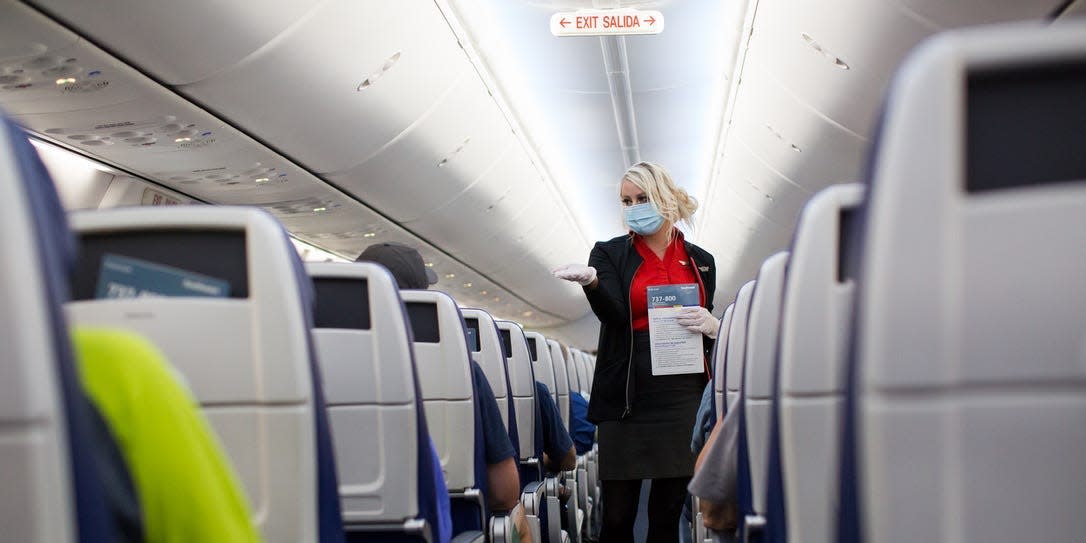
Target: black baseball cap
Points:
(404, 262)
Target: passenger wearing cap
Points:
(404, 262)
(503, 477)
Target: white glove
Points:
(698, 319)
(578, 273)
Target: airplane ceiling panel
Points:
(741, 250)
(435, 160)
(764, 189)
(673, 130)
(975, 12)
(332, 95)
(691, 27)
(479, 226)
(483, 197)
(555, 296)
(828, 62)
(181, 42)
(791, 137)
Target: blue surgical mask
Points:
(643, 218)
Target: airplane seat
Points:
(586, 490)
(965, 412)
(522, 379)
(719, 364)
(222, 293)
(561, 381)
(575, 508)
(734, 362)
(763, 331)
(737, 344)
(720, 350)
(490, 345)
(807, 394)
(485, 343)
(445, 376)
(586, 372)
(542, 365)
(538, 489)
(56, 451)
(388, 485)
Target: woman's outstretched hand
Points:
(577, 273)
(698, 319)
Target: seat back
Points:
(380, 436)
(720, 356)
(763, 330)
(522, 379)
(51, 491)
(816, 312)
(441, 352)
(485, 343)
(577, 371)
(230, 307)
(561, 380)
(585, 371)
(737, 343)
(541, 362)
(591, 370)
(966, 404)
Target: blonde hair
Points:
(674, 204)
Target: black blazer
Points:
(616, 261)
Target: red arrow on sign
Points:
(651, 20)
(563, 22)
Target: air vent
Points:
(73, 86)
(759, 191)
(780, 137)
(138, 133)
(221, 176)
(305, 206)
(372, 78)
(354, 234)
(46, 72)
(453, 155)
(836, 60)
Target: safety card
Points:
(124, 277)
(674, 349)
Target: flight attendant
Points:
(644, 420)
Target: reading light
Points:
(319, 209)
(261, 180)
(450, 275)
(467, 285)
(369, 235)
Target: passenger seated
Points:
(558, 451)
(716, 473)
(503, 476)
(186, 487)
(583, 432)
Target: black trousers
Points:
(619, 502)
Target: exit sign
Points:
(607, 22)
